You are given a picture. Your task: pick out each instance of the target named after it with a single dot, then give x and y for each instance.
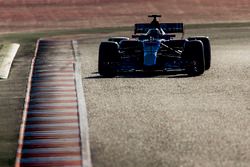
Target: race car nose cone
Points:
(150, 52)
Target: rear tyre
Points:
(194, 53)
(207, 50)
(108, 59)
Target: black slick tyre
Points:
(207, 50)
(108, 58)
(194, 53)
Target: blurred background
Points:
(30, 15)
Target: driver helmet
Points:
(154, 33)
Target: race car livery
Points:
(154, 48)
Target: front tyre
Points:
(108, 58)
(194, 53)
(207, 50)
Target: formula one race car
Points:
(153, 47)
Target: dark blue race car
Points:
(154, 48)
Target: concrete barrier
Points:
(7, 55)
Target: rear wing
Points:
(166, 27)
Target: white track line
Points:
(83, 118)
(7, 55)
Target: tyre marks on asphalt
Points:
(51, 132)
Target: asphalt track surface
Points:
(156, 120)
(172, 120)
